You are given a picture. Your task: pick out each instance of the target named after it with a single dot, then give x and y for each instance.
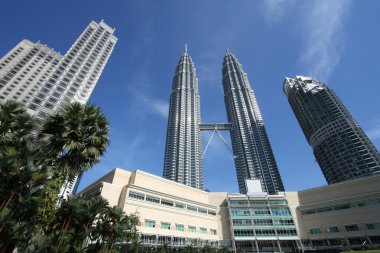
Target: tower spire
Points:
(185, 47)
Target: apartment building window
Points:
(352, 227)
(49, 105)
(203, 230)
(179, 227)
(165, 225)
(213, 231)
(150, 223)
(192, 229)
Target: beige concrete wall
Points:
(355, 191)
(224, 228)
(173, 216)
(346, 189)
(164, 186)
(115, 187)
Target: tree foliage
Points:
(34, 164)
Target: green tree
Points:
(72, 141)
(34, 164)
(21, 178)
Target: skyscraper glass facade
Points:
(183, 151)
(253, 154)
(342, 149)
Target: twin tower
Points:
(252, 152)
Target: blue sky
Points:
(336, 42)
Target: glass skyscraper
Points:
(183, 151)
(342, 149)
(253, 154)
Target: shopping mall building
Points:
(321, 219)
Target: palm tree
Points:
(72, 141)
(34, 164)
(76, 137)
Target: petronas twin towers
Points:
(253, 155)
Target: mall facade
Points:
(321, 219)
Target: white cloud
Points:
(275, 10)
(152, 105)
(132, 151)
(374, 133)
(157, 105)
(323, 32)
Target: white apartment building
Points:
(24, 69)
(45, 81)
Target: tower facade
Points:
(77, 73)
(45, 81)
(342, 149)
(253, 154)
(24, 69)
(183, 150)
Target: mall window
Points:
(265, 232)
(242, 222)
(278, 202)
(179, 227)
(179, 205)
(315, 231)
(192, 208)
(150, 223)
(166, 202)
(333, 229)
(152, 199)
(283, 221)
(373, 226)
(136, 195)
(243, 232)
(263, 222)
(258, 202)
(263, 211)
(239, 202)
(240, 211)
(165, 225)
(286, 232)
(352, 227)
(280, 211)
